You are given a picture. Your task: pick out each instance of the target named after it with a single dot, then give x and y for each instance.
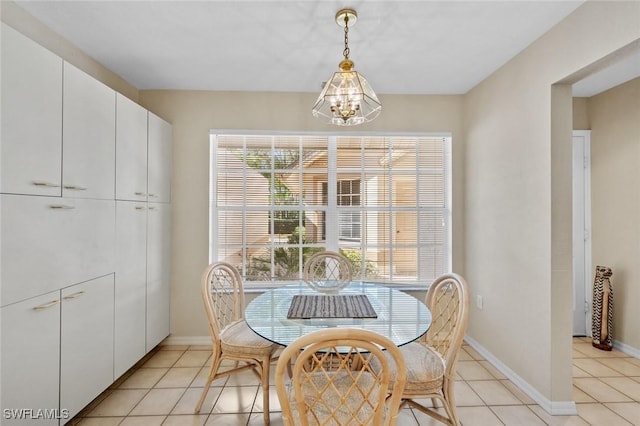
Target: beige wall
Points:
(615, 201)
(580, 115)
(193, 114)
(518, 197)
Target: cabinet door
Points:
(31, 150)
(130, 285)
(158, 273)
(159, 163)
(30, 357)
(89, 154)
(50, 242)
(131, 150)
(86, 342)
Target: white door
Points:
(131, 150)
(59, 241)
(88, 138)
(86, 342)
(581, 232)
(31, 359)
(159, 160)
(130, 284)
(158, 273)
(31, 136)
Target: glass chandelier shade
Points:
(347, 98)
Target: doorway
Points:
(581, 232)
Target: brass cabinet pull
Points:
(74, 295)
(61, 206)
(153, 195)
(141, 193)
(47, 184)
(46, 305)
(75, 187)
(139, 208)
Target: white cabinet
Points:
(31, 356)
(31, 152)
(51, 242)
(131, 150)
(158, 273)
(86, 342)
(89, 116)
(158, 231)
(40, 94)
(159, 159)
(79, 302)
(57, 351)
(130, 284)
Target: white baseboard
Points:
(187, 340)
(629, 350)
(555, 408)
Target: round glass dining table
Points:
(399, 316)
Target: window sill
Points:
(261, 288)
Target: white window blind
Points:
(381, 201)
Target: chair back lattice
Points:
(333, 382)
(223, 295)
(328, 266)
(448, 300)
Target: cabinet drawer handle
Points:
(61, 206)
(75, 187)
(152, 208)
(153, 195)
(141, 193)
(46, 305)
(47, 184)
(139, 208)
(74, 295)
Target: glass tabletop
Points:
(400, 317)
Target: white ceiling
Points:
(402, 47)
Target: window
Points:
(383, 201)
(349, 223)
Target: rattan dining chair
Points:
(332, 381)
(431, 360)
(327, 271)
(232, 339)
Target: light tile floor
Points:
(164, 388)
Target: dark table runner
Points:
(331, 306)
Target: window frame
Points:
(332, 189)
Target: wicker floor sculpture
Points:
(602, 317)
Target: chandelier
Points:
(347, 99)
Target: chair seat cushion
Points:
(239, 339)
(425, 368)
(358, 405)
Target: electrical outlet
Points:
(479, 301)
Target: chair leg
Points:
(265, 388)
(449, 403)
(215, 364)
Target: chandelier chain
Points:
(346, 51)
